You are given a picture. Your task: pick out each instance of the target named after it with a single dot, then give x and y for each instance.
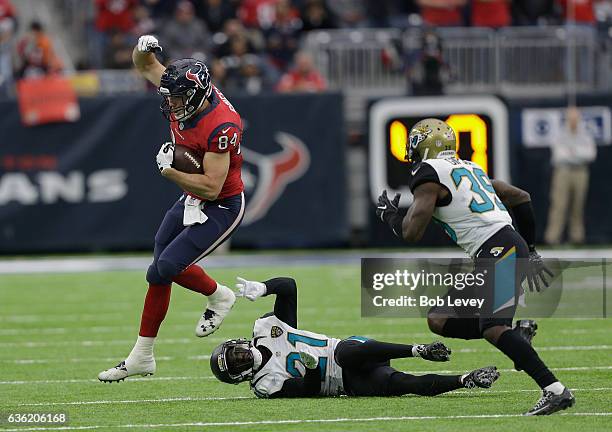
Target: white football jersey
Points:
(474, 212)
(285, 342)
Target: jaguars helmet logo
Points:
(276, 332)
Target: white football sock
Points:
(143, 348)
(556, 388)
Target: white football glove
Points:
(148, 43)
(250, 289)
(165, 156)
(308, 361)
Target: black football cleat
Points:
(550, 403)
(483, 377)
(527, 329)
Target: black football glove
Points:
(388, 211)
(537, 271)
(435, 351)
(387, 207)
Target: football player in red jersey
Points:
(210, 209)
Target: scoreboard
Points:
(480, 124)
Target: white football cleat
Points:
(123, 370)
(219, 305)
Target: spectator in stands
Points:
(442, 12)
(304, 77)
(532, 12)
(215, 12)
(572, 153)
(111, 16)
(283, 36)
(36, 54)
(351, 13)
(491, 13)
(6, 56)
(7, 10)
(316, 16)
(428, 71)
(115, 15)
(581, 9)
(252, 76)
(119, 52)
(144, 23)
(257, 13)
(233, 29)
(186, 35)
(160, 9)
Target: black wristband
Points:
(394, 220)
(524, 218)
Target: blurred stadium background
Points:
(328, 90)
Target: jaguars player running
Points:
(473, 210)
(282, 361)
(207, 213)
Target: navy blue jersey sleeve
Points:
(285, 305)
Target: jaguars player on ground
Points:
(284, 361)
(473, 210)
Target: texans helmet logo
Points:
(195, 77)
(266, 176)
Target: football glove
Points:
(387, 207)
(435, 351)
(308, 361)
(537, 270)
(148, 43)
(251, 290)
(165, 156)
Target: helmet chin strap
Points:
(257, 358)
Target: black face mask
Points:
(239, 359)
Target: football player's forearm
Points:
(524, 217)
(285, 305)
(148, 66)
(201, 185)
(510, 195)
(308, 386)
(413, 226)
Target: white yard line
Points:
(197, 399)
(92, 380)
(299, 421)
(559, 369)
(94, 359)
(134, 401)
(183, 378)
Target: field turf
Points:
(58, 331)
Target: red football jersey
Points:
(216, 129)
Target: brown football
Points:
(187, 160)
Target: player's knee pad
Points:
(167, 269)
(154, 278)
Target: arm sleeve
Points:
(524, 218)
(308, 386)
(224, 138)
(285, 306)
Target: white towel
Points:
(193, 213)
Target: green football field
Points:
(57, 331)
